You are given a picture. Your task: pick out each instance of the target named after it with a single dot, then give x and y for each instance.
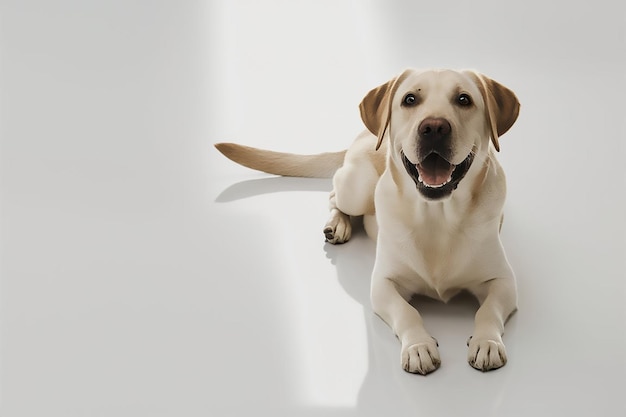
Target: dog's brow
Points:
(458, 89)
(414, 89)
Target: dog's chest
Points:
(440, 253)
(432, 256)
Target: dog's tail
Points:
(322, 165)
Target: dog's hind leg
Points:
(338, 228)
(352, 195)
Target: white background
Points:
(143, 274)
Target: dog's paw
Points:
(486, 354)
(421, 358)
(338, 228)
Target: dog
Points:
(425, 179)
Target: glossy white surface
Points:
(145, 275)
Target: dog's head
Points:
(437, 122)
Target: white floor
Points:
(145, 275)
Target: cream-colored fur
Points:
(434, 237)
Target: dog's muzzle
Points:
(435, 177)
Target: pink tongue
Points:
(435, 170)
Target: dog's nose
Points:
(434, 128)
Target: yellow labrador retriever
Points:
(425, 178)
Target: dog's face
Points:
(437, 125)
(437, 122)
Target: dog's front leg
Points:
(498, 300)
(419, 349)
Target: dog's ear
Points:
(376, 107)
(501, 106)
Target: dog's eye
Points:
(464, 99)
(409, 100)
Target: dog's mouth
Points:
(435, 177)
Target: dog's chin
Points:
(435, 178)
